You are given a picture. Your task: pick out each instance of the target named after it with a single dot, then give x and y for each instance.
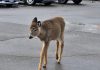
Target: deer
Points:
(46, 31)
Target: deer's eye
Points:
(34, 29)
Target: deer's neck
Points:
(42, 34)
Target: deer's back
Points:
(54, 27)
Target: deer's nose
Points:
(30, 37)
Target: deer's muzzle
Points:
(30, 37)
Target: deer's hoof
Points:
(44, 66)
(58, 62)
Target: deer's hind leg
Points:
(57, 50)
(61, 46)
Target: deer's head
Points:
(35, 28)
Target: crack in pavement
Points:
(77, 55)
(13, 38)
(5, 37)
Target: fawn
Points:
(51, 29)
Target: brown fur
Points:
(52, 29)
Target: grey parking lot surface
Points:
(82, 37)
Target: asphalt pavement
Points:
(82, 37)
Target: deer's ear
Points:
(39, 23)
(35, 19)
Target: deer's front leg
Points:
(43, 55)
